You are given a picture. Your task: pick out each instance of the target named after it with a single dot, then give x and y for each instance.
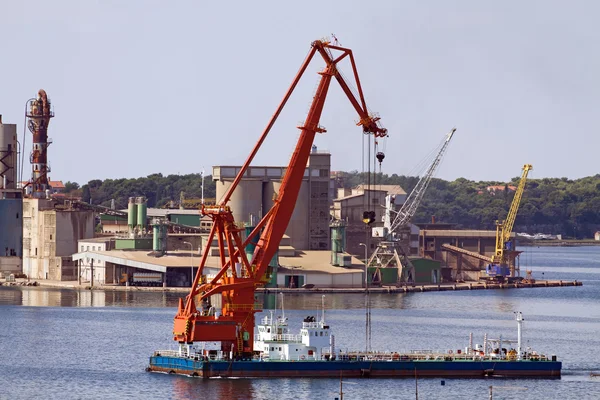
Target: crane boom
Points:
(391, 251)
(504, 228)
(238, 276)
(410, 206)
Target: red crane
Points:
(234, 327)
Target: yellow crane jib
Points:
(504, 228)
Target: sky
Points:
(141, 86)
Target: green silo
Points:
(131, 214)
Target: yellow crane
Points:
(504, 228)
(498, 267)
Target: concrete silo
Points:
(246, 200)
(8, 155)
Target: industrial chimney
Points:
(38, 115)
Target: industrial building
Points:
(116, 224)
(308, 228)
(50, 234)
(143, 251)
(349, 206)
(11, 203)
(457, 266)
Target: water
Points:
(95, 345)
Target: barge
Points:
(312, 354)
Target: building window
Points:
(36, 251)
(50, 236)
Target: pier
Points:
(429, 288)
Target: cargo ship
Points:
(312, 354)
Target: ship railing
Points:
(311, 325)
(167, 353)
(287, 337)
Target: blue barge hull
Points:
(383, 369)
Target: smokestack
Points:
(433, 219)
(39, 112)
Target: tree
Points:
(70, 186)
(86, 195)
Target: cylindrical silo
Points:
(8, 155)
(245, 200)
(159, 237)
(141, 212)
(298, 227)
(131, 214)
(270, 190)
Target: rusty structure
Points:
(38, 113)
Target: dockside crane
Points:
(233, 323)
(390, 251)
(498, 267)
(501, 258)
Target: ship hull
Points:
(375, 369)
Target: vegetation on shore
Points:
(549, 205)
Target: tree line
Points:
(549, 205)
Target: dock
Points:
(410, 288)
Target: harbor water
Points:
(72, 344)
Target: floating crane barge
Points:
(312, 354)
(275, 351)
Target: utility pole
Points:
(202, 175)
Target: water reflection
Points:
(49, 297)
(191, 388)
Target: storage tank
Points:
(245, 200)
(8, 155)
(338, 243)
(131, 214)
(159, 237)
(141, 212)
(297, 229)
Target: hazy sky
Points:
(140, 87)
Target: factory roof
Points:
(352, 196)
(390, 189)
(163, 212)
(98, 239)
(143, 259)
(460, 233)
(318, 261)
(56, 184)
